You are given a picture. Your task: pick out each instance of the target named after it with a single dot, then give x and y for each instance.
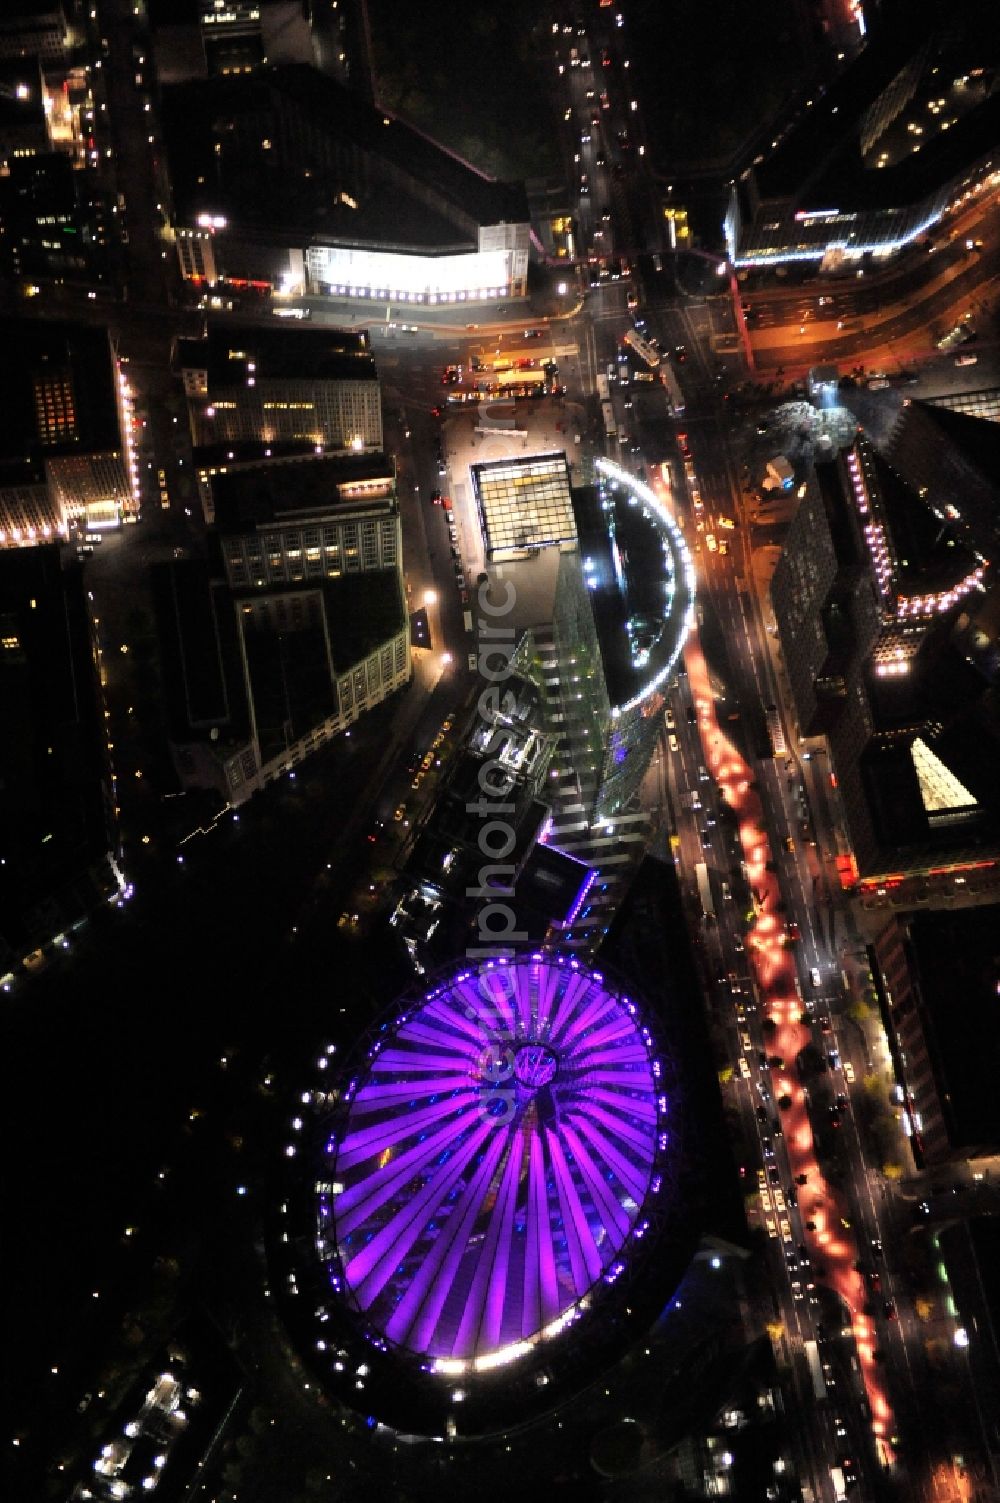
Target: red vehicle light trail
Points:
(775, 968)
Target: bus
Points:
(610, 429)
(815, 1369)
(704, 889)
(672, 387)
(527, 379)
(603, 390)
(642, 348)
(775, 731)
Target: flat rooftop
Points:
(819, 161)
(524, 502)
(58, 395)
(202, 673)
(403, 186)
(362, 611)
(271, 491)
(276, 354)
(54, 817)
(22, 106)
(638, 608)
(958, 962)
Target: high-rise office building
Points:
(303, 630)
(871, 581)
(621, 610)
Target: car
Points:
(534, 333)
(815, 977)
(848, 1072)
(680, 353)
(711, 543)
(841, 1100)
(878, 383)
(889, 1310)
(672, 742)
(966, 359)
(774, 1175)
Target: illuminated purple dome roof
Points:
(492, 1161)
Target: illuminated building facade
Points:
(478, 1230)
(346, 200)
(285, 522)
(869, 585)
(68, 411)
(623, 608)
(604, 591)
(316, 386)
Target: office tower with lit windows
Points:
(603, 593)
(623, 604)
(316, 386)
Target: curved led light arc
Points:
(672, 537)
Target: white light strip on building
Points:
(875, 248)
(673, 540)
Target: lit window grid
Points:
(290, 555)
(524, 506)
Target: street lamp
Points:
(430, 597)
(562, 289)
